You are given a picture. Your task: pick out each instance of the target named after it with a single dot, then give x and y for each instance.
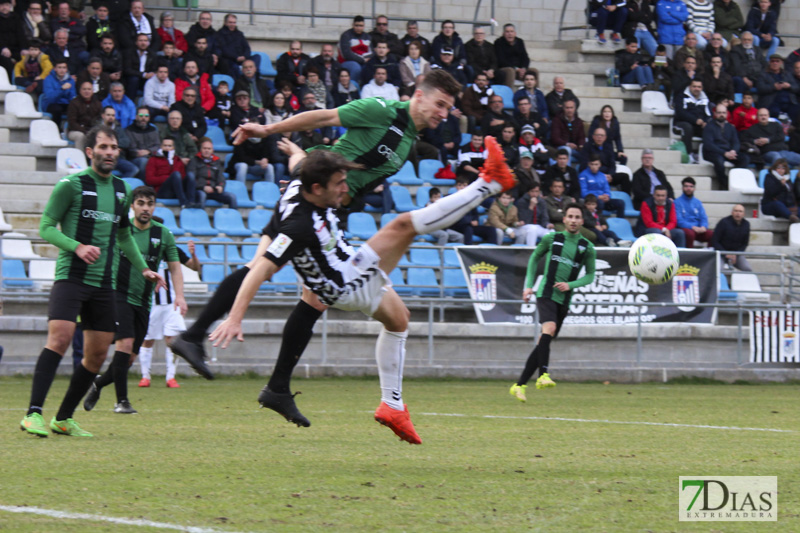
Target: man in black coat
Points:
(135, 71)
(291, 67)
(327, 66)
(647, 178)
(382, 33)
(256, 88)
(563, 171)
(12, 37)
(135, 23)
(512, 56)
(732, 234)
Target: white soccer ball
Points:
(653, 258)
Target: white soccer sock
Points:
(145, 359)
(449, 210)
(171, 364)
(390, 353)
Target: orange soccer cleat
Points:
(398, 421)
(172, 384)
(144, 382)
(495, 167)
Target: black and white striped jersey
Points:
(166, 296)
(310, 237)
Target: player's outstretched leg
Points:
(283, 404)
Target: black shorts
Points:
(550, 311)
(132, 321)
(96, 307)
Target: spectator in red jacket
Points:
(744, 115)
(658, 215)
(169, 33)
(166, 174)
(191, 77)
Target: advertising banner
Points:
(774, 337)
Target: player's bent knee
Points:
(402, 224)
(125, 345)
(549, 328)
(311, 299)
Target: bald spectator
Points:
(747, 63)
(381, 33)
(512, 56)
(778, 90)
(568, 130)
(770, 139)
(690, 49)
(732, 234)
(135, 23)
(495, 117)
(327, 66)
(292, 66)
(555, 99)
(721, 145)
(379, 86)
(412, 34)
(480, 53)
(233, 45)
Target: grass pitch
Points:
(205, 456)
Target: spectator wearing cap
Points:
(495, 117)
(170, 34)
(732, 234)
(412, 34)
(233, 45)
(778, 90)
(472, 155)
(770, 138)
(355, 48)
(512, 56)
(447, 62)
(526, 175)
(292, 66)
(382, 58)
(529, 142)
(381, 33)
(380, 87)
(242, 112)
(480, 53)
(691, 214)
(647, 178)
(563, 171)
(448, 38)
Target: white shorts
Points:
(366, 283)
(165, 320)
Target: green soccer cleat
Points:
(544, 382)
(518, 392)
(34, 424)
(68, 427)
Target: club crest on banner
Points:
(483, 284)
(686, 287)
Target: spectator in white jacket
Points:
(159, 92)
(380, 87)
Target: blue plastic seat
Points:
(762, 176)
(622, 228)
(169, 220)
(427, 172)
(217, 251)
(454, 283)
(134, 182)
(266, 194)
(213, 274)
(216, 78)
(406, 175)
(507, 94)
(14, 268)
(195, 221)
(451, 258)
(398, 283)
(284, 280)
(265, 68)
(423, 282)
(423, 195)
(257, 219)
(625, 197)
(199, 250)
(217, 136)
(465, 138)
(249, 247)
(239, 190)
(402, 199)
(425, 256)
(361, 225)
(725, 292)
(386, 218)
(229, 221)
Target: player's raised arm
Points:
(309, 120)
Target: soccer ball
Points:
(653, 258)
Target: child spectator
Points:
(206, 172)
(504, 216)
(633, 67)
(223, 105)
(744, 115)
(288, 93)
(532, 210)
(32, 69)
(166, 174)
(597, 223)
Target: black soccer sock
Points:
(544, 353)
(530, 367)
(43, 376)
(78, 387)
(296, 335)
(106, 378)
(219, 304)
(119, 371)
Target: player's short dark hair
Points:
(574, 205)
(320, 165)
(442, 80)
(143, 191)
(91, 137)
(590, 199)
(688, 179)
(562, 151)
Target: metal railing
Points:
(312, 14)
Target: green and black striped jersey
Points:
(156, 244)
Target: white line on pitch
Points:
(114, 520)
(593, 421)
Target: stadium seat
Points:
(386, 218)
(45, 132)
(423, 282)
(398, 283)
(257, 219)
(655, 102)
(629, 210)
(402, 199)
(217, 251)
(199, 250)
(239, 189)
(794, 235)
(451, 258)
(14, 276)
(423, 195)
(216, 78)
(743, 180)
(195, 221)
(249, 247)
(454, 283)
(217, 136)
(18, 246)
(702, 160)
(229, 221)
(428, 169)
(5, 84)
(191, 281)
(762, 175)
(406, 175)
(4, 226)
(361, 225)
(20, 105)
(169, 220)
(265, 68)
(506, 93)
(42, 273)
(70, 160)
(136, 182)
(622, 228)
(725, 292)
(266, 194)
(748, 288)
(284, 280)
(465, 138)
(213, 274)
(428, 257)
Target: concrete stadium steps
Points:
(30, 178)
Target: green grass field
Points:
(205, 456)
